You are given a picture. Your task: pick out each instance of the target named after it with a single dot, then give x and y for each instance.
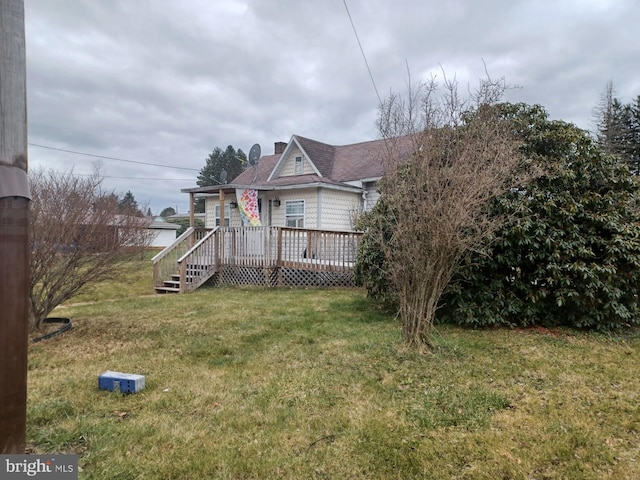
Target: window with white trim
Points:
(227, 215)
(294, 213)
(298, 166)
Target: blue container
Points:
(120, 382)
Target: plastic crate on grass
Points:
(120, 382)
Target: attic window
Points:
(298, 169)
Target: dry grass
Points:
(251, 383)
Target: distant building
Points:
(163, 232)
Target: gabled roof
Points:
(338, 166)
(321, 154)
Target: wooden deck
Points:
(270, 256)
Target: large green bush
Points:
(569, 253)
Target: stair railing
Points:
(165, 263)
(200, 262)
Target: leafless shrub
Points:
(447, 157)
(76, 237)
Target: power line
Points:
(142, 178)
(111, 158)
(362, 51)
(139, 178)
(129, 178)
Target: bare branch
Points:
(455, 157)
(76, 237)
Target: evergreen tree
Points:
(128, 205)
(618, 128)
(230, 160)
(631, 146)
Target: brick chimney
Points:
(279, 147)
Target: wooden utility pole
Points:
(14, 229)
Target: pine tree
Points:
(230, 160)
(128, 205)
(618, 128)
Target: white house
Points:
(305, 183)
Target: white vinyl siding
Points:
(289, 167)
(212, 209)
(294, 213)
(310, 197)
(339, 209)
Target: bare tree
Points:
(76, 237)
(456, 155)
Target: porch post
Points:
(222, 208)
(192, 208)
(279, 257)
(222, 235)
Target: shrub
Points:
(570, 254)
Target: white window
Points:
(298, 169)
(294, 213)
(227, 215)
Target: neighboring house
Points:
(305, 184)
(177, 217)
(162, 233)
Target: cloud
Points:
(166, 82)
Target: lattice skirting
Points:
(281, 277)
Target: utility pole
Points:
(14, 229)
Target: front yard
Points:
(292, 384)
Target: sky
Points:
(165, 82)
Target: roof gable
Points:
(320, 154)
(309, 152)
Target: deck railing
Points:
(165, 262)
(321, 250)
(270, 247)
(266, 248)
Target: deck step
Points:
(167, 290)
(173, 285)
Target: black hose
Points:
(66, 325)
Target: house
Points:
(304, 183)
(289, 219)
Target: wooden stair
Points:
(173, 284)
(170, 286)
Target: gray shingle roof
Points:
(337, 165)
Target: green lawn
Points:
(305, 384)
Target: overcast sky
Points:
(167, 81)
